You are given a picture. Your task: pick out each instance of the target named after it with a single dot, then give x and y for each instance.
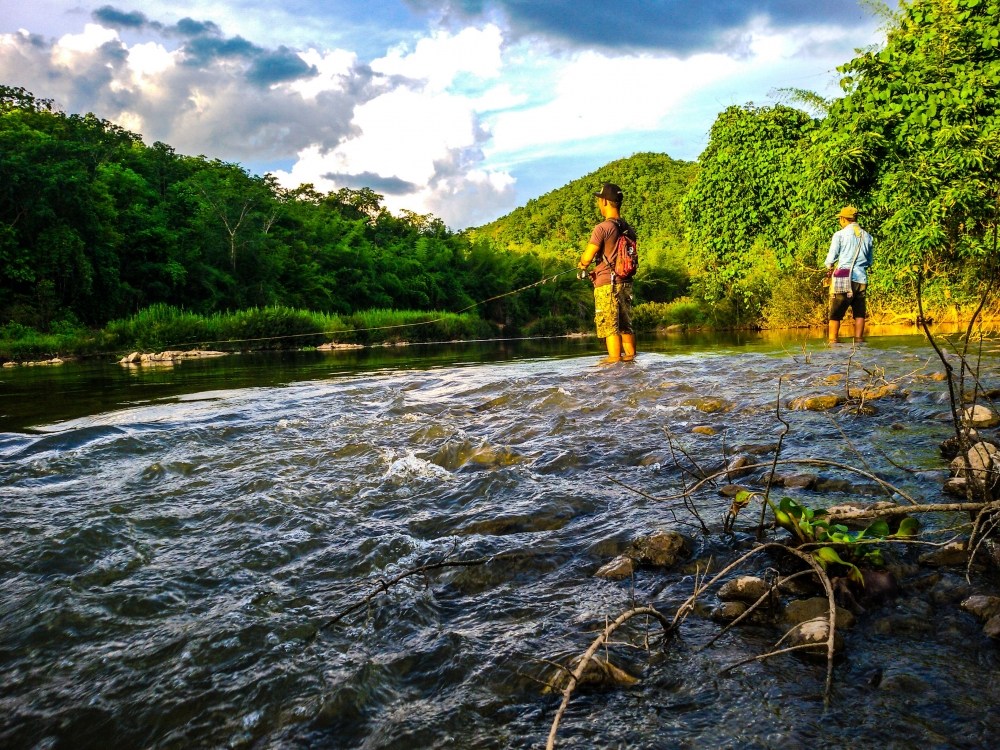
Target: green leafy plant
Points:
(831, 543)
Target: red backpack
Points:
(626, 257)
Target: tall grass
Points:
(164, 327)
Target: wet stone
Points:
(980, 416)
(708, 405)
(621, 567)
(815, 632)
(833, 485)
(953, 553)
(732, 490)
(815, 403)
(992, 627)
(703, 430)
(801, 610)
(660, 549)
(737, 467)
(799, 481)
(728, 611)
(982, 607)
(743, 589)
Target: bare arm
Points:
(588, 255)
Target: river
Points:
(174, 539)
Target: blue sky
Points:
(464, 109)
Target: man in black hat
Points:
(612, 296)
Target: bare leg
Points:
(859, 330)
(834, 331)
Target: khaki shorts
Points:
(613, 309)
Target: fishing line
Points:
(342, 331)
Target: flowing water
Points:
(174, 541)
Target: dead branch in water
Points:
(384, 585)
(588, 655)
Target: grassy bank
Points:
(163, 327)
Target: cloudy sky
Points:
(461, 108)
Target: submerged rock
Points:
(816, 403)
(708, 405)
(728, 611)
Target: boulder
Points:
(992, 627)
(737, 467)
(708, 405)
(732, 490)
(703, 430)
(873, 393)
(799, 481)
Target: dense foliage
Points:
(916, 142)
(96, 226)
(913, 143)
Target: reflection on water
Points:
(173, 539)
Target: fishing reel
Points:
(582, 274)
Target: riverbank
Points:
(162, 328)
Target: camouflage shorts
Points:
(613, 308)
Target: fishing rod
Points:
(540, 282)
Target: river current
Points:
(174, 543)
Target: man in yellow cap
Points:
(849, 260)
(612, 296)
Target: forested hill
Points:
(559, 222)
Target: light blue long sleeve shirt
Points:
(842, 248)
